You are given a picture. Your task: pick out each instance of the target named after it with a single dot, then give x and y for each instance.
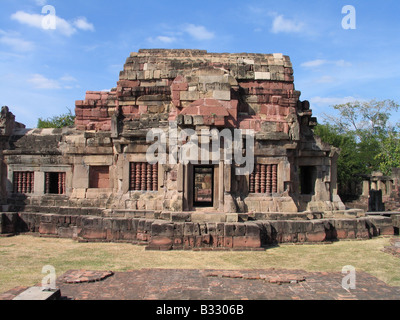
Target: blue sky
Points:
(43, 71)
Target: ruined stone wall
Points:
(166, 235)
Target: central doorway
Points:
(203, 186)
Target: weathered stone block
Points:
(316, 237)
(46, 228)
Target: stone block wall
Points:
(178, 235)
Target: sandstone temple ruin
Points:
(66, 181)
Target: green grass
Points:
(22, 258)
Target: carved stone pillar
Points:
(149, 177)
(138, 175)
(155, 177)
(257, 179)
(274, 178)
(269, 175)
(143, 177)
(262, 178)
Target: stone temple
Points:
(211, 115)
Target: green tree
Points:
(389, 155)
(350, 166)
(366, 140)
(61, 121)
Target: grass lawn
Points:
(22, 258)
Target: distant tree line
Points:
(367, 140)
(64, 120)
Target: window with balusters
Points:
(23, 182)
(143, 176)
(264, 179)
(55, 182)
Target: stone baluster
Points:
(262, 178)
(149, 177)
(257, 179)
(268, 178)
(155, 177)
(28, 182)
(143, 175)
(24, 182)
(132, 176)
(138, 175)
(19, 190)
(274, 178)
(251, 182)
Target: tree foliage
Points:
(366, 139)
(61, 121)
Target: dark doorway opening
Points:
(307, 179)
(203, 186)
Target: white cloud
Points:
(13, 41)
(41, 82)
(325, 79)
(281, 24)
(330, 101)
(82, 24)
(199, 32)
(313, 63)
(320, 62)
(63, 26)
(166, 39)
(68, 78)
(163, 39)
(41, 2)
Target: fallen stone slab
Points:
(39, 293)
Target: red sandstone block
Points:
(87, 113)
(128, 109)
(79, 103)
(143, 109)
(316, 237)
(362, 234)
(78, 112)
(228, 242)
(244, 124)
(341, 234)
(175, 95)
(180, 86)
(387, 231)
(246, 242)
(95, 113)
(301, 237)
(285, 127)
(161, 241)
(92, 96)
(128, 83)
(351, 234)
(47, 228)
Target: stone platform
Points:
(180, 232)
